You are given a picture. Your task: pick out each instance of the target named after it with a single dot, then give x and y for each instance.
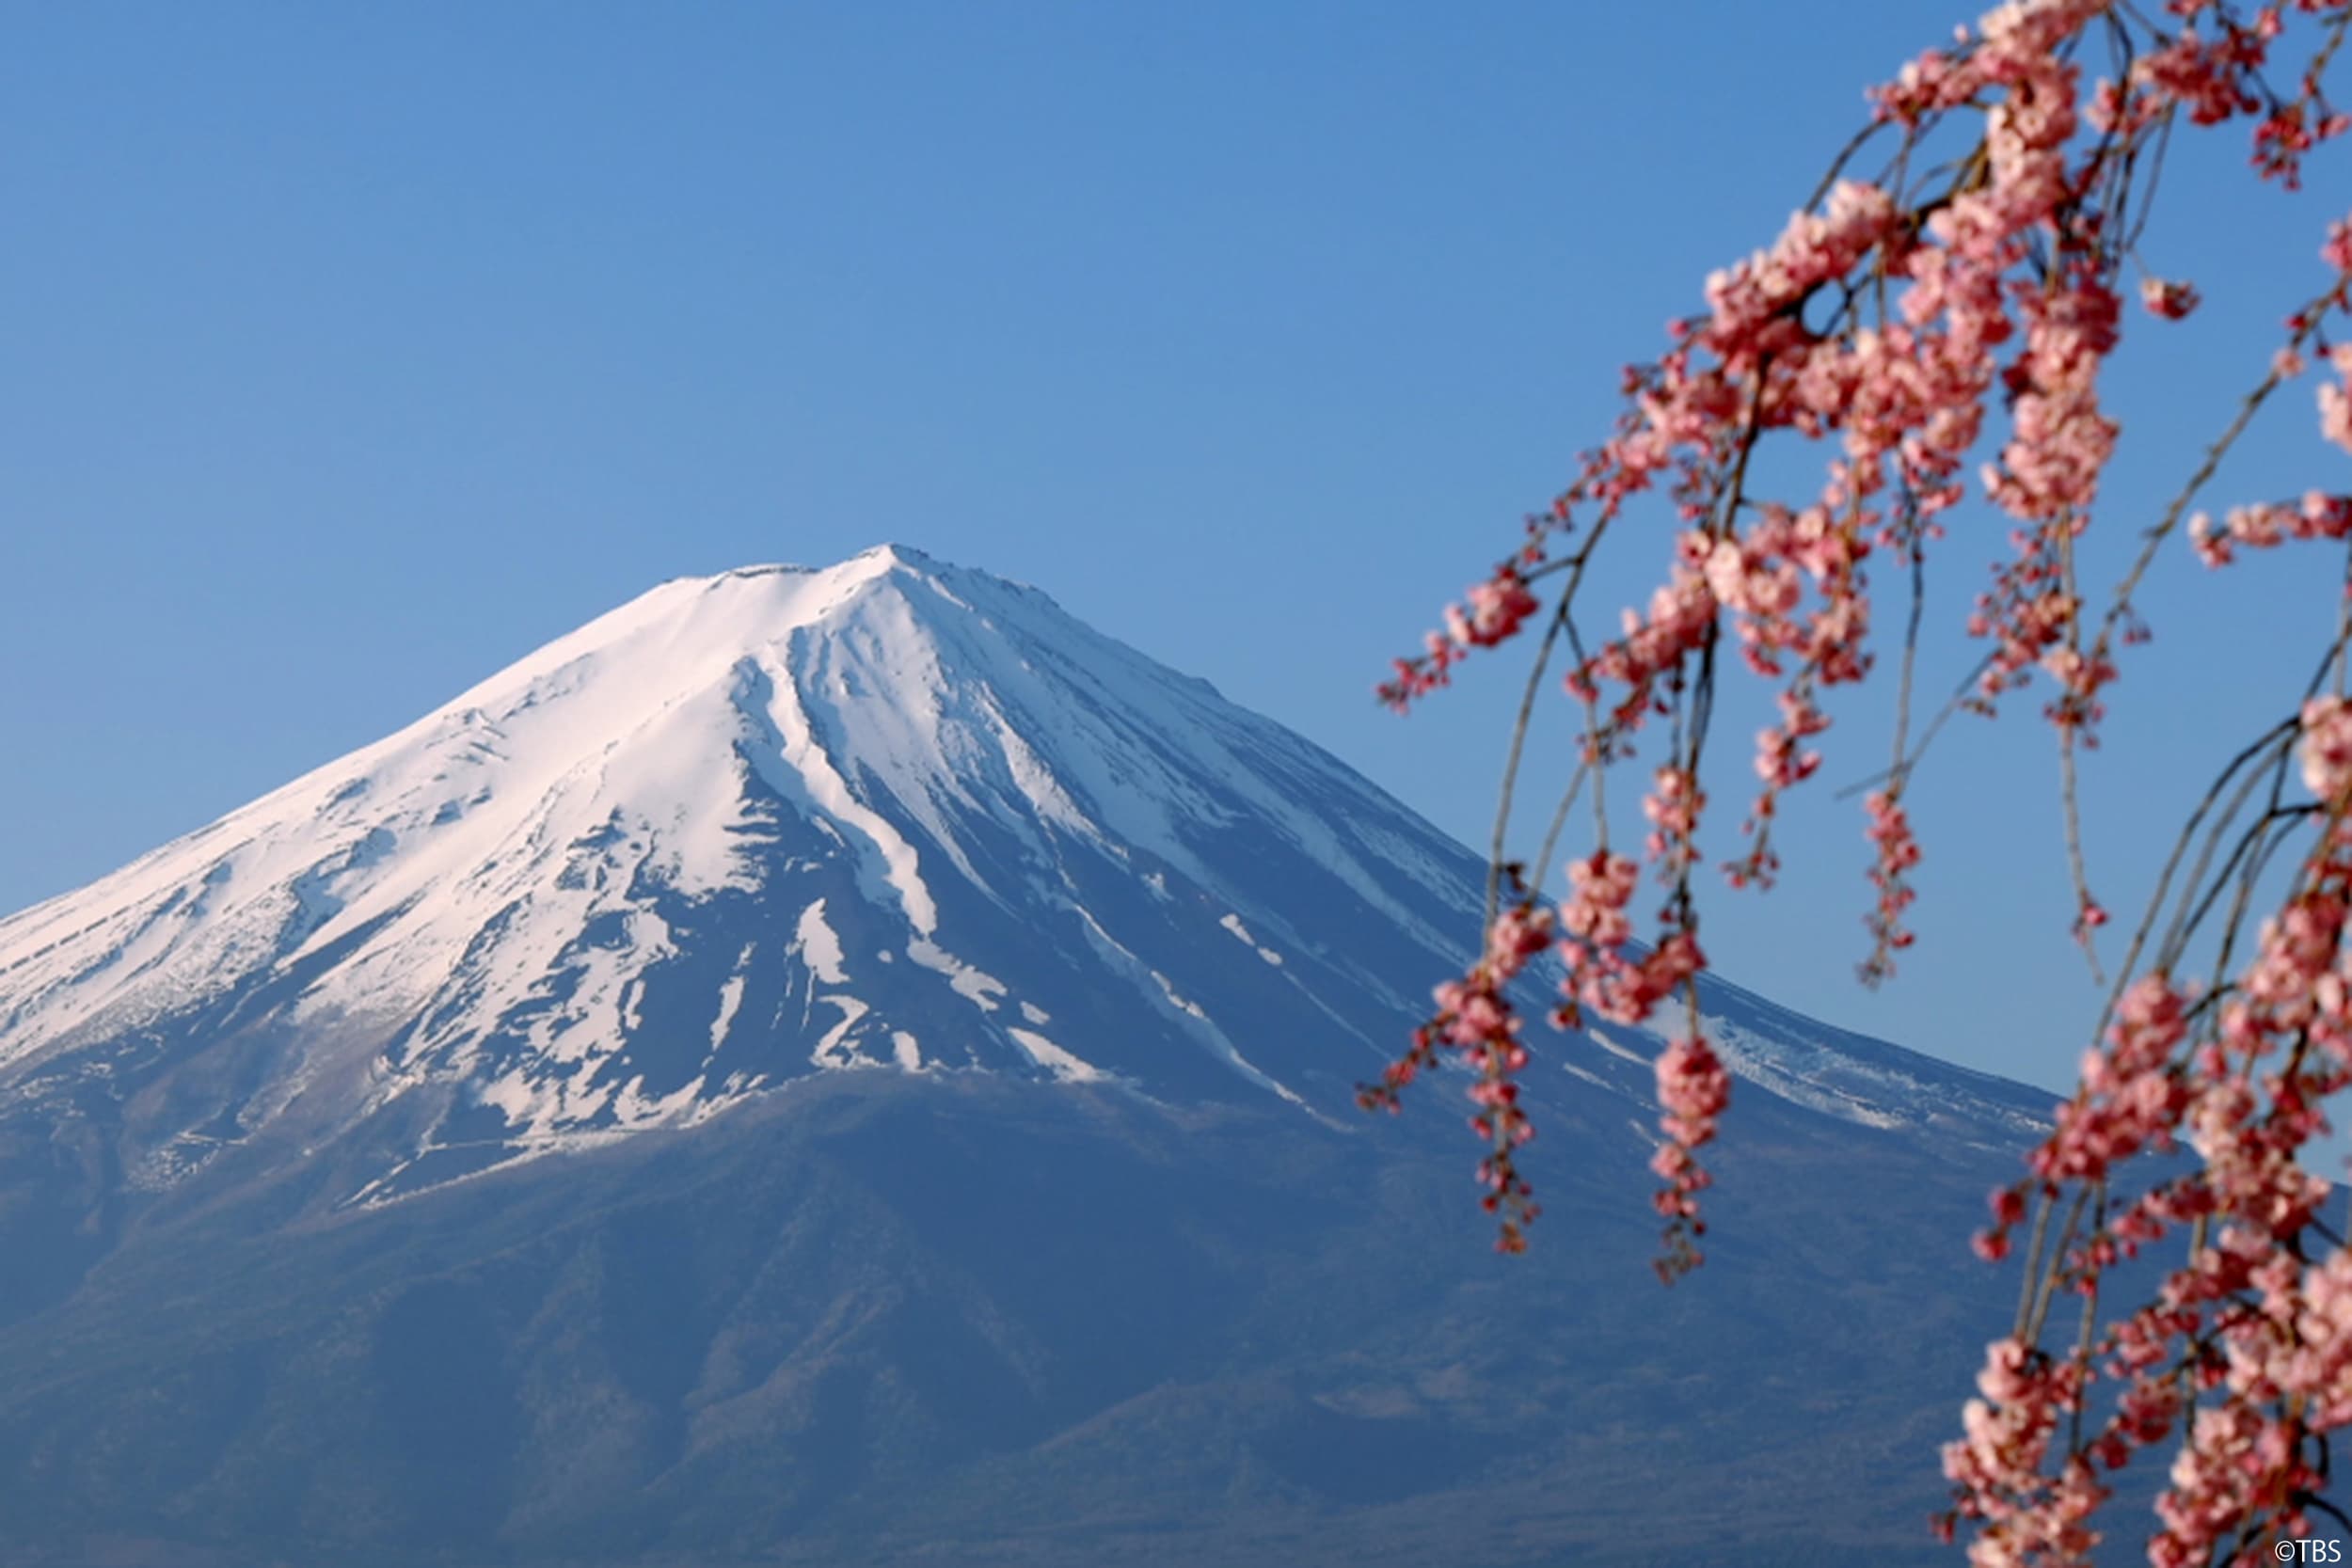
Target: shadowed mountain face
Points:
(854, 1066)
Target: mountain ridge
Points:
(677, 750)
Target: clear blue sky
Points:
(353, 351)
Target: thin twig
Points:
(2070, 719)
(2307, 322)
(1519, 746)
(1956, 701)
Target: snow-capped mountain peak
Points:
(888, 815)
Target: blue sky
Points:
(355, 353)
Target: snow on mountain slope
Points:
(889, 814)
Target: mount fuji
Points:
(853, 1065)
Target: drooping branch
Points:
(1921, 328)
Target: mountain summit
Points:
(815, 1038)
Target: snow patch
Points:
(1232, 923)
(818, 946)
(1593, 1078)
(978, 986)
(832, 1050)
(1618, 1050)
(730, 1002)
(1052, 1058)
(731, 997)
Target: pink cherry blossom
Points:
(2169, 300)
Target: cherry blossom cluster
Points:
(1477, 1021)
(2335, 406)
(1497, 608)
(2263, 525)
(1693, 1087)
(1998, 1463)
(1673, 805)
(2246, 1347)
(2326, 747)
(1604, 974)
(2132, 1093)
(1897, 852)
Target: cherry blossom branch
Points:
(1922, 327)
